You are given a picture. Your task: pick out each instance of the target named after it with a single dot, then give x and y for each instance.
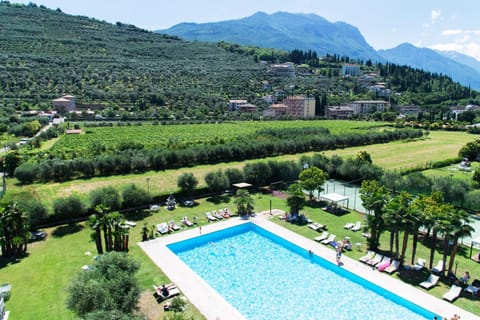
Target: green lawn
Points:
(49, 268)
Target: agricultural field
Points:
(149, 136)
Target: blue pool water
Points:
(266, 277)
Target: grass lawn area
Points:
(52, 263)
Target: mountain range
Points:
(289, 31)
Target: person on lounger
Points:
(465, 278)
(165, 291)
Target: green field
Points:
(185, 135)
(439, 145)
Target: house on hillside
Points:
(300, 106)
(234, 104)
(276, 110)
(286, 69)
(352, 70)
(339, 112)
(64, 104)
(369, 106)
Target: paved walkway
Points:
(213, 306)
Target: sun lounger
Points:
(430, 282)
(370, 254)
(384, 264)
(217, 215)
(173, 226)
(316, 226)
(187, 222)
(223, 213)
(438, 268)
(329, 239)
(473, 288)
(357, 226)
(393, 267)
(172, 291)
(453, 293)
(419, 265)
(162, 228)
(321, 237)
(349, 225)
(375, 260)
(210, 217)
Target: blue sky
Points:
(439, 24)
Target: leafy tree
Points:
(68, 208)
(134, 197)
(187, 182)
(257, 173)
(296, 198)
(312, 179)
(11, 162)
(217, 181)
(107, 196)
(234, 175)
(36, 211)
(476, 177)
(110, 287)
(244, 202)
(471, 150)
(14, 232)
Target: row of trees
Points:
(405, 214)
(137, 161)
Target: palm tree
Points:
(244, 202)
(95, 224)
(374, 198)
(296, 198)
(462, 228)
(416, 213)
(14, 232)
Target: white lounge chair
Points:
(217, 215)
(187, 222)
(453, 293)
(419, 265)
(375, 260)
(357, 226)
(316, 226)
(162, 227)
(321, 237)
(370, 254)
(393, 267)
(430, 282)
(438, 268)
(210, 217)
(349, 225)
(329, 239)
(173, 226)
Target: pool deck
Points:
(213, 306)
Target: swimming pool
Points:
(264, 277)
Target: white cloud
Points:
(452, 32)
(470, 48)
(435, 15)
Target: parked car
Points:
(37, 235)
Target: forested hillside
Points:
(139, 74)
(46, 53)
